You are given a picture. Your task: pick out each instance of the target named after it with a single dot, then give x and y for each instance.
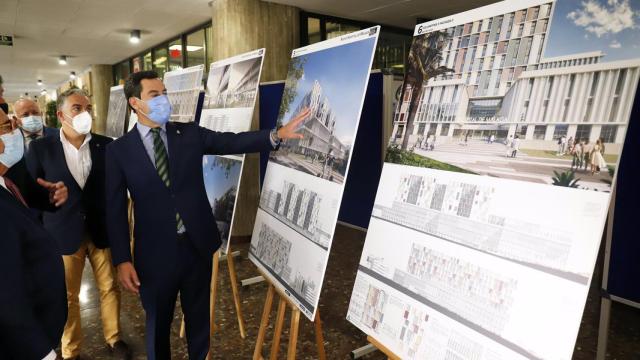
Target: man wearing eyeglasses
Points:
(33, 299)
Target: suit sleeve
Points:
(19, 325)
(117, 220)
(219, 143)
(36, 196)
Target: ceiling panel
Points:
(97, 31)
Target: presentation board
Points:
(497, 182)
(304, 181)
(232, 88)
(183, 87)
(117, 113)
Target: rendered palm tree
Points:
(424, 60)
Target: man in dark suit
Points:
(28, 116)
(160, 164)
(33, 299)
(77, 158)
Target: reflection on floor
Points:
(340, 336)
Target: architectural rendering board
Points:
(117, 113)
(304, 181)
(492, 203)
(183, 87)
(231, 94)
(232, 87)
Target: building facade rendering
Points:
(501, 85)
(319, 128)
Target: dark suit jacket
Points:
(84, 211)
(155, 205)
(33, 297)
(35, 195)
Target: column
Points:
(239, 26)
(101, 77)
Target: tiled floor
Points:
(340, 336)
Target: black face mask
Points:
(5, 108)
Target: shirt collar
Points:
(39, 133)
(64, 140)
(144, 129)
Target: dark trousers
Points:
(191, 277)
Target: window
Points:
(335, 29)
(615, 106)
(313, 29)
(196, 48)
(121, 72)
(539, 132)
(160, 60)
(444, 130)
(523, 131)
(421, 128)
(560, 131)
(583, 132)
(608, 133)
(148, 65)
(175, 55)
(594, 83)
(520, 30)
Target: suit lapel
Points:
(58, 152)
(139, 153)
(9, 197)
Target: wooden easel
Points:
(214, 293)
(293, 332)
(379, 346)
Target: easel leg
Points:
(264, 322)
(214, 292)
(319, 337)
(275, 345)
(293, 333)
(236, 296)
(603, 330)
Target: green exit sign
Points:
(6, 40)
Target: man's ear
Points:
(16, 120)
(133, 102)
(60, 116)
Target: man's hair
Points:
(133, 86)
(63, 97)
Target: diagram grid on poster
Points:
(304, 181)
(232, 87)
(183, 88)
(493, 198)
(117, 112)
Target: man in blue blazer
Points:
(77, 157)
(160, 164)
(29, 118)
(33, 299)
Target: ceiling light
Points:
(134, 38)
(72, 75)
(62, 60)
(43, 92)
(39, 82)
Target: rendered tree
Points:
(424, 60)
(295, 73)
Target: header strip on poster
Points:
(248, 55)
(340, 40)
(489, 11)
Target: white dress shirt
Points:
(78, 160)
(2, 183)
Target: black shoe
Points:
(120, 350)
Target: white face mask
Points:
(81, 123)
(32, 123)
(13, 148)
